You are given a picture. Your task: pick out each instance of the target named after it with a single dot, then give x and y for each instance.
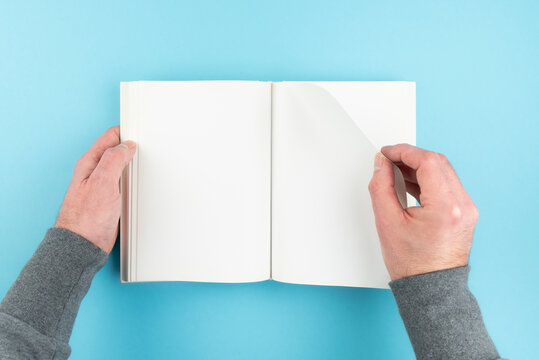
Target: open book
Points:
(239, 181)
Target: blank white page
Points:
(203, 184)
(325, 136)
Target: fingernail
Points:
(129, 144)
(378, 161)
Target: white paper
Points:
(199, 186)
(325, 135)
(203, 180)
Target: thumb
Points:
(385, 203)
(114, 160)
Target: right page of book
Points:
(324, 138)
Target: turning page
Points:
(325, 136)
(198, 203)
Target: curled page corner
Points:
(327, 99)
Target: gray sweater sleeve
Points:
(38, 312)
(442, 317)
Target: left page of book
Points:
(196, 197)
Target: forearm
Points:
(38, 312)
(442, 316)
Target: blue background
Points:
(476, 67)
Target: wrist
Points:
(409, 269)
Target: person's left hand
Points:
(92, 204)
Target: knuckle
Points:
(443, 158)
(459, 214)
(474, 212)
(79, 163)
(456, 213)
(451, 213)
(445, 162)
(112, 132)
(431, 159)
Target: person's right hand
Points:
(436, 235)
